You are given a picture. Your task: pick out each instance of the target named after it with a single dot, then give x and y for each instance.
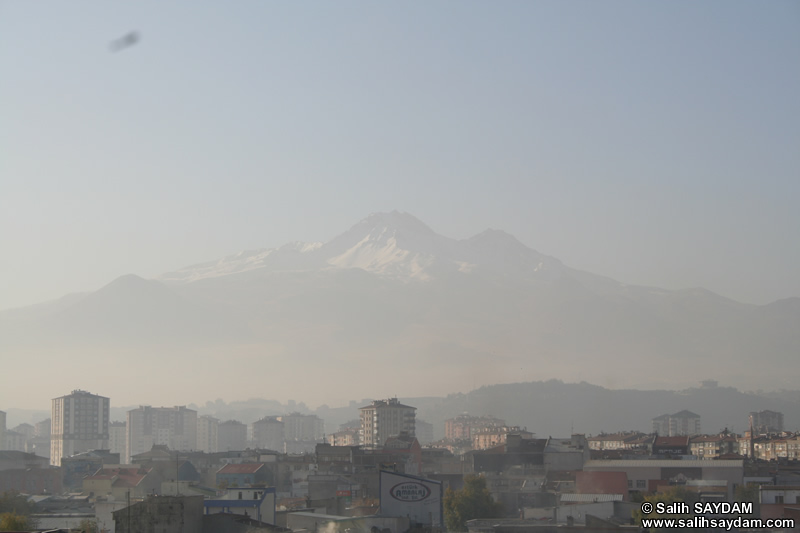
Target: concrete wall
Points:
(161, 514)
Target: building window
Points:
(641, 484)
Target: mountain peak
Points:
(395, 220)
(126, 281)
(496, 236)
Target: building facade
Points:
(383, 419)
(207, 434)
(298, 427)
(764, 422)
(79, 423)
(175, 427)
(677, 425)
(232, 436)
(464, 426)
(118, 438)
(269, 433)
(2, 430)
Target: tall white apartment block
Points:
(383, 419)
(79, 423)
(175, 427)
(2, 430)
(207, 434)
(118, 438)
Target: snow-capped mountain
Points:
(242, 262)
(443, 314)
(393, 245)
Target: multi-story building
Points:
(175, 427)
(231, 436)
(627, 440)
(28, 431)
(490, 437)
(43, 428)
(424, 431)
(207, 434)
(15, 441)
(344, 437)
(713, 446)
(269, 433)
(464, 426)
(684, 423)
(2, 430)
(298, 427)
(118, 438)
(784, 446)
(677, 425)
(383, 419)
(302, 432)
(764, 422)
(39, 444)
(79, 423)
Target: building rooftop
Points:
(120, 476)
(243, 468)
(662, 463)
(590, 498)
(671, 441)
(391, 402)
(79, 392)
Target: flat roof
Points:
(663, 463)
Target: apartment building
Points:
(231, 436)
(764, 422)
(383, 419)
(175, 427)
(207, 434)
(79, 423)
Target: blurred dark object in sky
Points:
(124, 42)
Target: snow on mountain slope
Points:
(393, 245)
(241, 262)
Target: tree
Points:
(674, 494)
(14, 522)
(13, 502)
(473, 501)
(746, 493)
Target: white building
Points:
(79, 423)
(175, 427)
(118, 438)
(383, 419)
(207, 434)
(2, 430)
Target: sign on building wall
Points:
(414, 497)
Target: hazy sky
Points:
(654, 142)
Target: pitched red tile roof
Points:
(121, 476)
(244, 468)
